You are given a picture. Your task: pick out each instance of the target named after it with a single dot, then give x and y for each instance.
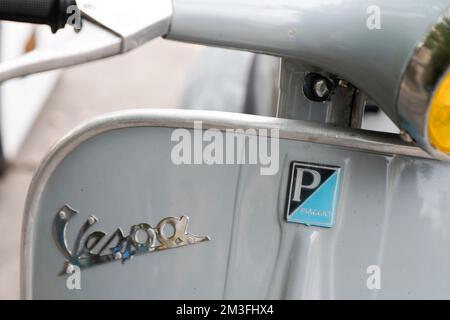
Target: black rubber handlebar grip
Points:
(50, 12)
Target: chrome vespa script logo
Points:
(142, 239)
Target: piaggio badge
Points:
(313, 194)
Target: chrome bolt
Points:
(117, 256)
(405, 136)
(91, 220)
(321, 89)
(62, 215)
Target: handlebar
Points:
(50, 12)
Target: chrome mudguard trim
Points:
(364, 141)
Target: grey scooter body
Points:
(391, 215)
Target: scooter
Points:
(191, 204)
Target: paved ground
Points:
(153, 76)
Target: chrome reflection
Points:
(428, 65)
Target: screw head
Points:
(62, 215)
(405, 136)
(317, 88)
(118, 256)
(321, 89)
(91, 220)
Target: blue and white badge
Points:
(313, 194)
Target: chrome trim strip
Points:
(429, 64)
(366, 141)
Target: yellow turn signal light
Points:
(439, 117)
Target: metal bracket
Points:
(335, 108)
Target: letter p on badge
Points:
(313, 194)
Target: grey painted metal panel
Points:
(332, 35)
(213, 87)
(393, 212)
